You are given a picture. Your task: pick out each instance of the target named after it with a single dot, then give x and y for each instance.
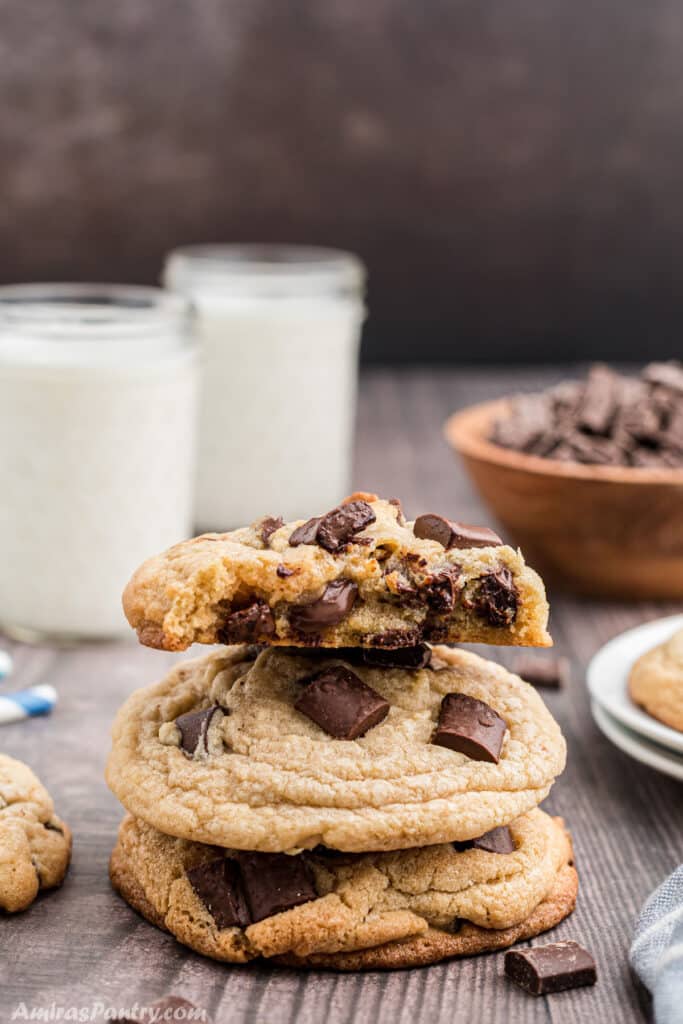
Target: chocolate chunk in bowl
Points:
(543, 970)
(341, 703)
(471, 727)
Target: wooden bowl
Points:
(600, 530)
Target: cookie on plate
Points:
(280, 750)
(656, 682)
(350, 911)
(35, 845)
(359, 575)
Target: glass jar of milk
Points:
(280, 331)
(97, 410)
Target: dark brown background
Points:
(510, 171)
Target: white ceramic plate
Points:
(608, 673)
(637, 747)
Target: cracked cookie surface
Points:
(656, 682)
(299, 584)
(372, 910)
(268, 778)
(35, 845)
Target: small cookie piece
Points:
(341, 911)
(277, 780)
(35, 845)
(358, 576)
(656, 682)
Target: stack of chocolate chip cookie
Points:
(329, 788)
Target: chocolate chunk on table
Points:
(247, 624)
(331, 608)
(275, 882)
(471, 727)
(543, 970)
(454, 535)
(341, 703)
(218, 884)
(548, 672)
(194, 727)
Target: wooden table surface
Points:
(82, 945)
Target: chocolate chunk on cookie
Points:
(543, 970)
(416, 657)
(471, 727)
(268, 527)
(497, 840)
(454, 535)
(218, 884)
(334, 530)
(341, 703)
(194, 728)
(275, 882)
(496, 598)
(248, 624)
(332, 607)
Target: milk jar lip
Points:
(92, 324)
(265, 270)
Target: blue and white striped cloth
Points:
(38, 700)
(5, 664)
(657, 950)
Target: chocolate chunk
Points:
(218, 885)
(543, 970)
(394, 638)
(496, 840)
(442, 589)
(454, 535)
(599, 401)
(194, 726)
(283, 571)
(275, 882)
(341, 703)
(669, 374)
(471, 727)
(336, 602)
(337, 528)
(496, 598)
(305, 534)
(549, 672)
(400, 518)
(403, 657)
(248, 624)
(268, 527)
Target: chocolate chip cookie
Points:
(322, 908)
(35, 845)
(360, 575)
(278, 750)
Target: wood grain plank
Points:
(83, 944)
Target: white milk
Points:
(97, 408)
(280, 332)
